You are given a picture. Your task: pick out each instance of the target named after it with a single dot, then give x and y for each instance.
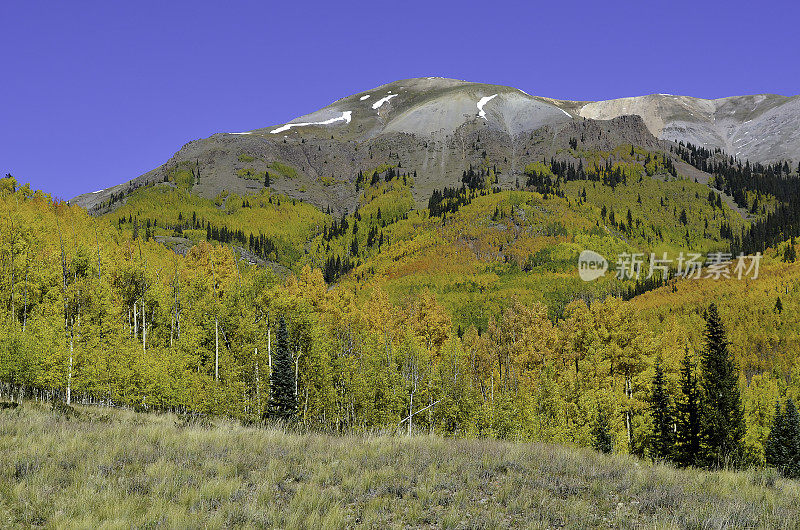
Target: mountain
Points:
(438, 127)
(760, 128)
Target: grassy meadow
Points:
(99, 468)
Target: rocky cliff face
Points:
(760, 128)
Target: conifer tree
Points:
(662, 437)
(601, 434)
(790, 254)
(282, 399)
(722, 417)
(782, 448)
(793, 439)
(688, 415)
(775, 446)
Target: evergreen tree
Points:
(790, 254)
(688, 415)
(775, 446)
(601, 434)
(793, 439)
(722, 418)
(782, 448)
(282, 399)
(662, 436)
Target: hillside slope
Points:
(95, 467)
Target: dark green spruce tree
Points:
(601, 433)
(722, 416)
(687, 438)
(282, 399)
(662, 438)
(782, 448)
(775, 451)
(793, 439)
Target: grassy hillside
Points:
(163, 211)
(106, 468)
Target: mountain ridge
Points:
(439, 127)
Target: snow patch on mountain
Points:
(345, 117)
(483, 101)
(362, 98)
(381, 101)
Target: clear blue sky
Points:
(95, 93)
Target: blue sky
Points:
(95, 93)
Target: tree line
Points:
(736, 178)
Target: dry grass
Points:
(119, 469)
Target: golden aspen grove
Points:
(472, 323)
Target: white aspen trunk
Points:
(411, 408)
(175, 293)
(269, 350)
(430, 412)
(135, 321)
(69, 373)
(258, 386)
(98, 253)
(11, 265)
(296, 373)
(628, 425)
(628, 392)
(216, 349)
(144, 329)
(25, 310)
